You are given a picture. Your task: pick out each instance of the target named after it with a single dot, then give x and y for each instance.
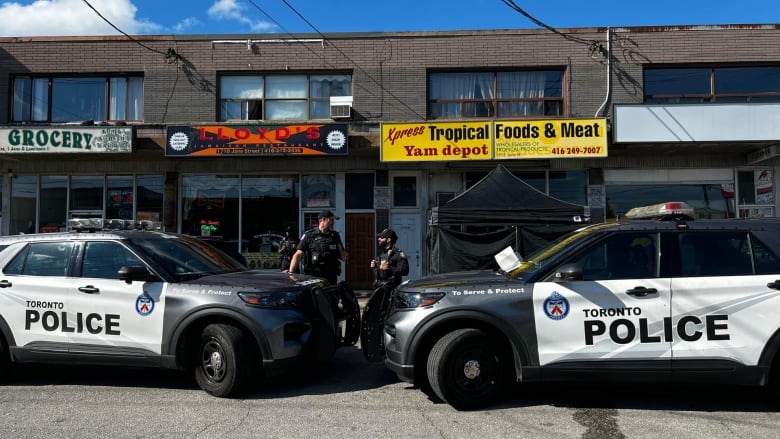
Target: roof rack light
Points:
(669, 210)
(98, 224)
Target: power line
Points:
(125, 34)
(369, 91)
(374, 80)
(595, 46)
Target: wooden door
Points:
(360, 241)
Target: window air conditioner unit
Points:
(340, 107)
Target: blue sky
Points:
(75, 17)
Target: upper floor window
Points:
(495, 94)
(280, 97)
(712, 84)
(70, 99)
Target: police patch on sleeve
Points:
(556, 306)
(144, 304)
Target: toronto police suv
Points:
(148, 298)
(643, 300)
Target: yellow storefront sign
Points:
(550, 138)
(446, 141)
(496, 139)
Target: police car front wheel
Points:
(224, 360)
(468, 369)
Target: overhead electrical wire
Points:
(369, 91)
(374, 80)
(124, 33)
(593, 45)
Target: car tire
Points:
(224, 362)
(467, 369)
(5, 360)
(774, 378)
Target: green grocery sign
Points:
(66, 140)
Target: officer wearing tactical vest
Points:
(391, 263)
(323, 250)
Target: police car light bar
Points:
(672, 209)
(98, 224)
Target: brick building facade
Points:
(603, 75)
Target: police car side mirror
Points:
(568, 272)
(130, 273)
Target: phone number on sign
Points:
(576, 150)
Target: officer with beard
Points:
(391, 263)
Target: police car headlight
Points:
(416, 300)
(271, 299)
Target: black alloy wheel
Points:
(224, 360)
(468, 370)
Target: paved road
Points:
(349, 398)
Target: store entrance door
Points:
(407, 226)
(360, 242)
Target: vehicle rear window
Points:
(42, 259)
(715, 254)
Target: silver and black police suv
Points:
(147, 298)
(640, 300)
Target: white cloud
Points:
(185, 24)
(231, 10)
(72, 17)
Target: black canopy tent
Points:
(513, 213)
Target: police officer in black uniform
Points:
(391, 263)
(287, 248)
(321, 250)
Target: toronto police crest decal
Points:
(144, 304)
(556, 306)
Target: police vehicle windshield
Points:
(541, 257)
(187, 258)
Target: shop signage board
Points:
(65, 139)
(328, 139)
(550, 139)
(441, 141)
(494, 140)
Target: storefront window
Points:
(119, 197)
(210, 206)
(149, 198)
(536, 179)
(318, 191)
(405, 191)
(87, 200)
(269, 204)
(24, 193)
(570, 186)
(54, 204)
(86, 193)
(707, 200)
(756, 193)
(310, 220)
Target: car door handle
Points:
(89, 289)
(641, 291)
(5, 284)
(773, 285)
